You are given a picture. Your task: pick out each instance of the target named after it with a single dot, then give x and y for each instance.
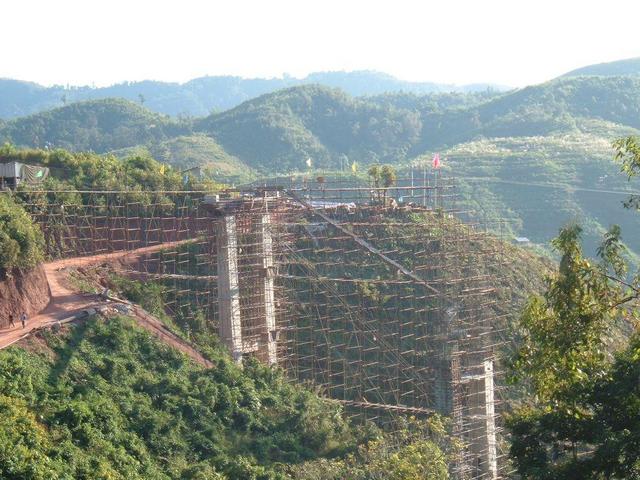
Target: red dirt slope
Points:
(66, 303)
(22, 292)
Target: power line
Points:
(562, 186)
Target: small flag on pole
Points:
(354, 167)
(308, 162)
(436, 160)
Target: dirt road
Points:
(66, 303)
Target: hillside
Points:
(288, 127)
(188, 151)
(630, 66)
(18, 98)
(201, 96)
(544, 109)
(101, 398)
(99, 125)
(537, 184)
(106, 400)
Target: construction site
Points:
(382, 298)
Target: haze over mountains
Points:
(630, 66)
(201, 96)
(538, 156)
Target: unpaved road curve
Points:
(66, 303)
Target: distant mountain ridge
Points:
(629, 66)
(278, 131)
(201, 96)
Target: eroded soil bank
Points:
(22, 292)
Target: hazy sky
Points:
(512, 42)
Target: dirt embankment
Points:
(22, 292)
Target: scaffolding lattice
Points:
(381, 297)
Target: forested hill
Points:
(98, 125)
(279, 131)
(200, 96)
(553, 107)
(288, 127)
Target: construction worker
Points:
(23, 318)
(12, 321)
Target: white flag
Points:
(309, 162)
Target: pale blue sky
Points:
(516, 42)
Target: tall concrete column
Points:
(482, 423)
(271, 334)
(228, 287)
(464, 391)
(490, 424)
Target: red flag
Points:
(436, 160)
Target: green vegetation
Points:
(630, 66)
(628, 154)
(105, 400)
(413, 457)
(581, 417)
(289, 126)
(146, 184)
(113, 403)
(198, 154)
(382, 177)
(544, 109)
(21, 241)
(99, 125)
(534, 185)
(90, 171)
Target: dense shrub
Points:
(107, 397)
(106, 400)
(21, 241)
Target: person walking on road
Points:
(12, 321)
(23, 318)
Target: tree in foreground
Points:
(582, 419)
